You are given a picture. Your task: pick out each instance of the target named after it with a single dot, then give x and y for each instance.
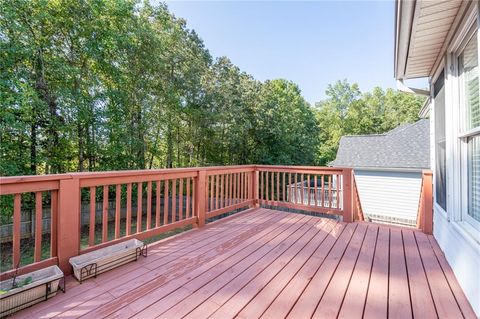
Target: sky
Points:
(310, 43)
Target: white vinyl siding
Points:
(389, 196)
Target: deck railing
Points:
(93, 210)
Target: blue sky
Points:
(310, 43)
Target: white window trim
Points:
(456, 141)
(438, 208)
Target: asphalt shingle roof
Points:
(406, 146)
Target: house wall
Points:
(389, 196)
(459, 241)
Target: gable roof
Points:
(406, 146)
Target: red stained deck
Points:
(271, 264)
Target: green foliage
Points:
(122, 84)
(346, 111)
(106, 84)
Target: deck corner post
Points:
(68, 237)
(200, 196)
(348, 202)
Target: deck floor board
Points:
(269, 264)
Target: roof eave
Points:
(404, 13)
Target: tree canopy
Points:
(346, 111)
(122, 84)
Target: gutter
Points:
(388, 169)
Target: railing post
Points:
(200, 198)
(427, 203)
(68, 238)
(347, 195)
(254, 192)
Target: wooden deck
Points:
(272, 264)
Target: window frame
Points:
(434, 107)
(470, 30)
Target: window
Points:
(440, 151)
(470, 126)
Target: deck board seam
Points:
(448, 281)
(353, 271)
(342, 229)
(388, 281)
(425, 274)
(408, 275)
(334, 224)
(370, 273)
(336, 268)
(332, 274)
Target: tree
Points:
(346, 111)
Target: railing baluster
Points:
(330, 191)
(92, 223)
(17, 219)
(283, 188)
(139, 206)
(212, 191)
(194, 194)
(272, 187)
(290, 190)
(128, 224)
(247, 183)
(296, 188)
(278, 187)
(315, 190)
(180, 199)
(118, 193)
(302, 185)
(261, 187)
(217, 187)
(149, 205)
(174, 200)
(267, 189)
(308, 189)
(38, 227)
(187, 212)
(165, 204)
(323, 191)
(338, 191)
(222, 191)
(157, 205)
(232, 189)
(229, 189)
(105, 214)
(245, 186)
(53, 223)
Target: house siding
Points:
(394, 195)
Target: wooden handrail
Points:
(174, 198)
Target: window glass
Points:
(468, 67)
(468, 62)
(440, 153)
(473, 158)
